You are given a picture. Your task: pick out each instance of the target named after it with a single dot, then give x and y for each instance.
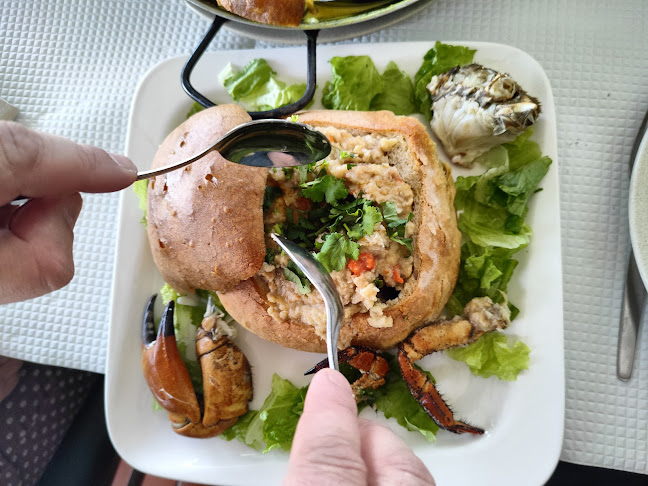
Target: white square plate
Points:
(523, 419)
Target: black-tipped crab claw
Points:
(227, 381)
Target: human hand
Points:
(36, 238)
(9, 369)
(333, 446)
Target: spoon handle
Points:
(634, 295)
(634, 304)
(147, 174)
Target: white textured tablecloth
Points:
(71, 67)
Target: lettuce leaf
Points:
(186, 319)
(398, 95)
(494, 354)
(437, 60)
(275, 423)
(195, 108)
(240, 430)
(493, 206)
(395, 400)
(257, 88)
(355, 83)
(140, 188)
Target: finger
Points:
(6, 212)
(326, 447)
(39, 165)
(389, 460)
(9, 368)
(36, 248)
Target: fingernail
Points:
(123, 162)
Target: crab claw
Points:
(428, 396)
(227, 382)
(373, 367)
(164, 371)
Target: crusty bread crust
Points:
(205, 222)
(436, 246)
(287, 13)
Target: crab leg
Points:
(373, 367)
(481, 315)
(164, 371)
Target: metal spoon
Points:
(259, 143)
(262, 143)
(323, 282)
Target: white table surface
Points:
(71, 67)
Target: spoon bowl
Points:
(261, 143)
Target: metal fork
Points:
(320, 278)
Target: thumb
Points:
(327, 447)
(36, 247)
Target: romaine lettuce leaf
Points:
(437, 60)
(494, 354)
(395, 400)
(186, 319)
(484, 271)
(492, 209)
(495, 203)
(355, 83)
(398, 93)
(275, 423)
(241, 428)
(140, 188)
(195, 108)
(256, 87)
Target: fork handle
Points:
(634, 303)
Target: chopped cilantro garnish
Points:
(347, 155)
(396, 226)
(331, 227)
(270, 196)
(326, 188)
(335, 250)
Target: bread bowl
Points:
(286, 13)
(214, 236)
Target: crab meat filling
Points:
(373, 280)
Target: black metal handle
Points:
(282, 111)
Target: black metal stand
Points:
(280, 112)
